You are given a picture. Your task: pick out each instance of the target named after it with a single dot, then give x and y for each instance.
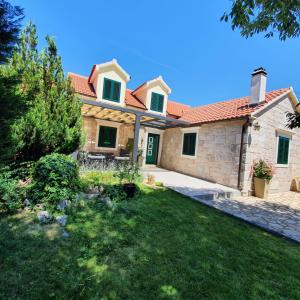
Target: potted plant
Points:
(128, 174)
(263, 172)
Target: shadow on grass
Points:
(159, 245)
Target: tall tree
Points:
(51, 121)
(10, 22)
(269, 16)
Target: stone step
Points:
(213, 195)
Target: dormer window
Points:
(111, 90)
(157, 102)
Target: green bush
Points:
(54, 178)
(128, 173)
(91, 179)
(11, 195)
(263, 169)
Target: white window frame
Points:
(287, 134)
(189, 130)
(107, 124)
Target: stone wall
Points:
(90, 128)
(217, 157)
(262, 143)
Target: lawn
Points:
(158, 246)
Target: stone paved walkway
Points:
(279, 213)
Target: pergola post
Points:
(136, 137)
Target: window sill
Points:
(282, 165)
(188, 156)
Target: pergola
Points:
(121, 114)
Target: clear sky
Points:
(199, 57)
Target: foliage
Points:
(293, 120)
(11, 17)
(128, 173)
(11, 195)
(54, 178)
(95, 179)
(256, 16)
(263, 169)
(159, 184)
(115, 192)
(164, 246)
(51, 116)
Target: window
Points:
(189, 144)
(107, 137)
(157, 102)
(111, 90)
(283, 150)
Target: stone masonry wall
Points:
(217, 156)
(90, 128)
(262, 143)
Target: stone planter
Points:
(261, 187)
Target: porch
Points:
(119, 133)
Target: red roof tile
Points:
(176, 109)
(225, 110)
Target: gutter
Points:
(244, 129)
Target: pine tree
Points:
(52, 119)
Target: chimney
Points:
(258, 86)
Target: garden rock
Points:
(62, 220)
(63, 204)
(65, 234)
(107, 201)
(44, 216)
(26, 203)
(92, 196)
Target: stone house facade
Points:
(216, 142)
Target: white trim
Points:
(189, 130)
(289, 136)
(147, 83)
(285, 132)
(108, 124)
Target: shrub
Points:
(11, 195)
(54, 178)
(128, 173)
(263, 169)
(92, 179)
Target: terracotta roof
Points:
(176, 109)
(225, 110)
(83, 87)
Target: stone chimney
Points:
(258, 86)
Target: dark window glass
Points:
(107, 137)
(189, 143)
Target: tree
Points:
(51, 119)
(10, 20)
(256, 16)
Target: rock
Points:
(62, 220)
(80, 196)
(63, 204)
(44, 216)
(65, 234)
(26, 203)
(92, 196)
(107, 201)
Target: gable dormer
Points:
(109, 81)
(154, 94)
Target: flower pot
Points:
(129, 189)
(261, 187)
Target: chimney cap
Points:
(260, 70)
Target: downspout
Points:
(244, 128)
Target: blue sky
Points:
(200, 58)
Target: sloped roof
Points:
(176, 108)
(225, 110)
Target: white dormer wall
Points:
(110, 70)
(113, 75)
(157, 86)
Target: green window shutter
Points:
(116, 91)
(157, 102)
(189, 144)
(106, 88)
(107, 137)
(111, 90)
(283, 150)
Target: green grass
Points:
(159, 246)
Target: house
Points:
(216, 142)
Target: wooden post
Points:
(136, 137)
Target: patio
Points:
(279, 214)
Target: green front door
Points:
(152, 148)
